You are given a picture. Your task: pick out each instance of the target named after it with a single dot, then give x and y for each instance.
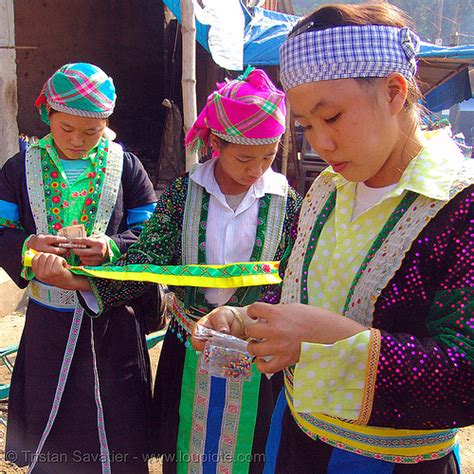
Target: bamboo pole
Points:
(188, 79)
(286, 140)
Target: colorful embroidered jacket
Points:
(70, 203)
(115, 201)
(161, 244)
(414, 289)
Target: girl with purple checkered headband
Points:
(374, 328)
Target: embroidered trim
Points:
(390, 248)
(200, 410)
(313, 204)
(80, 113)
(104, 445)
(229, 426)
(383, 443)
(386, 252)
(35, 187)
(179, 314)
(190, 235)
(63, 376)
(52, 296)
(370, 377)
(110, 188)
(392, 458)
(10, 224)
(274, 228)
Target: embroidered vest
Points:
(34, 181)
(384, 259)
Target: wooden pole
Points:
(457, 23)
(286, 140)
(438, 39)
(188, 80)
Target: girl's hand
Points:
(53, 270)
(47, 244)
(280, 330)
(225, 319)
(96, 251)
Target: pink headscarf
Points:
(249, 110)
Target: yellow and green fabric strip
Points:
(372, 439)
(232, 275)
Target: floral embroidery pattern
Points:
(72, 204)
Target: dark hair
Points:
(222, 143)
(340, 14)
(373, 13)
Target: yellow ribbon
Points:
(232, 275)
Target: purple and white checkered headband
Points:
(348, 52)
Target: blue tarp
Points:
(429, 50)
(453, 91)
(266, 30)
(458, 88)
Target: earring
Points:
(215, 153)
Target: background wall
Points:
(123, 37)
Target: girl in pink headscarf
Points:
(233, 208)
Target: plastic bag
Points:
(224, 355)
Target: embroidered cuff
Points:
(330, 378)
(112, 250)
(93, 312)
(26, 272)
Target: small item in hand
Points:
(72, 232)
(224, 355)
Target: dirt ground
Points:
(10, 332)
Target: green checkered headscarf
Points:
(78, 89)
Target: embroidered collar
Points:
(47, 143)
(431, 173)
(269, 183)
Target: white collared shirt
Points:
(230, 235)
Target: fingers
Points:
(261, 310)
(56, 250)
(221, 320)
(47, 266)
(52, 239)
(271, 357)
(94, 253)
(88, 241)
(87, 252)
(259, 330)
(47, 244)
(260, 349)
(198, 344)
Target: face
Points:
(240, 166)
(75, 136)
(350, 125)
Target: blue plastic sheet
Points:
(266, 30)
